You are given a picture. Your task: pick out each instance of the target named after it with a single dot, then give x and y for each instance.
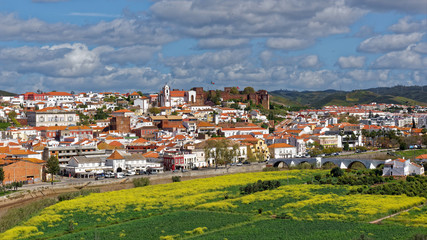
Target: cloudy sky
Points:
(111, 45)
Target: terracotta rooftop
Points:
(115, 156)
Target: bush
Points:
(259, 186)
(337, 172)
(176, 179)
(269, 169)
(72, 195)
(141, 182)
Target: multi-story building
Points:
(52, 116)
(64, 154)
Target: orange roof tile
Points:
(151, 154)
(58, 94)
(177, 93)
(280, 145)
(115, 144)
(422, 156)
(115, 156)
(139, 141)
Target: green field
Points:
(411, 154)
(214, 208)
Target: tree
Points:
(248, 90)
(1, 176)
(12, 114)
(52, 166)
(337, 172)
(100, 114)
(234, 90)
(154, 110)
(222, 151)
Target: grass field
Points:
(213, 208)
(411, 154)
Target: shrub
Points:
(141, 182)
(259, 186)
(72, 195)
(337, 172)
(176, 179)
(269, 169)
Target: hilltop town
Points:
(106, 134)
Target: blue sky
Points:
(110, 45)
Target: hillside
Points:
(4, 93)
(413, 95)
(228, 207)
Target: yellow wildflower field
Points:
(299, 201)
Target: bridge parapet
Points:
(343, 163)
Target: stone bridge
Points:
(343, 163)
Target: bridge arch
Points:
(281, 164)
(357, 165)
(305, 165)
(329, 165)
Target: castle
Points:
(197, 95)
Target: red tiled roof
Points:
(115, 156)
(115, 144)
(58, 94)
(177, 93)
(280, 145)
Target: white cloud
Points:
(137, 55)
(360, 75)
(221, 42)
(310, 61)
(288, 19)
(351, 62)
(421, 48)
(214, 60)
(287, 43)
(118, 32)
(410, 6)
(405, 25)
(392, 42)
(406, 59)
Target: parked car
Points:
(119, 175)
(247, 163)
(130, 173)
(239, 164)
(109, 175)
(99, 176)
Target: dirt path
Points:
(378, 221)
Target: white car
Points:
(119, 175)
(130, 173)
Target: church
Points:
(174, 98)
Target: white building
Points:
(282, 150)
(143, 103)
(52, 117)
(402, 167)
(83, 166)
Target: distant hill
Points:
(413, 95)
(4, 93)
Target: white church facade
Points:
(174, 98)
